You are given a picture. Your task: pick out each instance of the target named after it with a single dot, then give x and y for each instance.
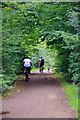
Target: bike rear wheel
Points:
(26, 74)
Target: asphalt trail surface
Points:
(41, 97)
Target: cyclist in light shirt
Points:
(27, 64)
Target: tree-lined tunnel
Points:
(28, 27)
(35, 29)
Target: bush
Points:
(6, 83)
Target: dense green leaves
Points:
(26, 25)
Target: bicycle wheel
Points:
(26, 74)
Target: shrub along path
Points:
(41, 97)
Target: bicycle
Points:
(26, 74)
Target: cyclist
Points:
(41, 64)
(27, 66)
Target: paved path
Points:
(41, 97)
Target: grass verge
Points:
(71, 92)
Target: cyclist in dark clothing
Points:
(41, 64)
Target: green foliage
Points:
(74, 67)
(67, 59)
(71, 91)
(7, 82)
(18, 39)
(26, 25)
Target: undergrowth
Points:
(70, 90)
